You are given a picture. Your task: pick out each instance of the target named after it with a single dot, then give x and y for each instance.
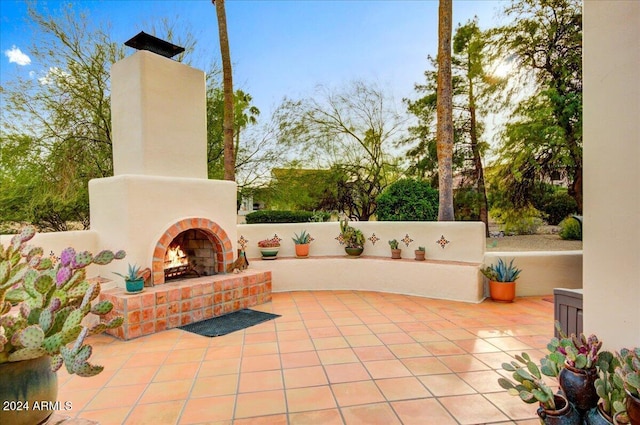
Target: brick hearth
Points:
(181, 302)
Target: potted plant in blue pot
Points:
(133, 281)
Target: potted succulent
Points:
(133, 281)
(42, 305)
(611, 393)
(352, 238)
(502, 280)
(628, 375)
(302, 243)
(396, 253)
(420, 253)
(269, 248)
(529, 385)
(573, 359)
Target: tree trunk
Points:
(444, 132)
(227, 87)
(477, 160)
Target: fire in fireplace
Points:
(190, 253)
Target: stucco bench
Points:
(450, 280)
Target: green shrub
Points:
(268, 216)
(408, 200)
(466, 203)
(557, 206)
(523, 221)
(570, 229)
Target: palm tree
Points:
(444, 131)
(227, 87)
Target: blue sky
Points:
(278, 48)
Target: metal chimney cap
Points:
(144, 41)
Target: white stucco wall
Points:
(158, 109)
(542, 271)
(612, 171)
(466, 239)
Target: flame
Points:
(175, 257)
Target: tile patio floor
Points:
(334, 357)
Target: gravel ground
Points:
(547, 239)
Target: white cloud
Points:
(15, 55)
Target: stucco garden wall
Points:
(612, 171)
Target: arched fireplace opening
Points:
(191, 247)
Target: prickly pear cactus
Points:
(54, 299)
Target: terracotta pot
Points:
(354, 252)
(597, 416)
(579, 386)
(564, 414)
(396, 253)
(302, 250)
(502, 292)
(27, 381)
(633, 408)
(419, 255)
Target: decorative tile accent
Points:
(406, 240)
(442, 241)
(373, 238)
(243, 242)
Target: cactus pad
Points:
(103, 257)
(63, 275)
(81, 260)
(30, 337)
(120, 255)
(102, 308)
(56, 362)
(67, 255)
(26, 354)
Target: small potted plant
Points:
(419, 253)
(502, 280)
(43, 302)
(302, 243)
(611, 393)
(573, 359)
(269, 248)
(396, 253)
(133, 281)
(628, 375)
(529, 385)
(352, 238)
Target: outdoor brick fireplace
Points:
(205, 247)
(160, 205)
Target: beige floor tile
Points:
(370, 414)
(406, 388)
(310, 398)
(472, 409)
(315, 417)
(261, 403)
(427, 411)
(353, 393)
(446, 385)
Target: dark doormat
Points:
(222, 325)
